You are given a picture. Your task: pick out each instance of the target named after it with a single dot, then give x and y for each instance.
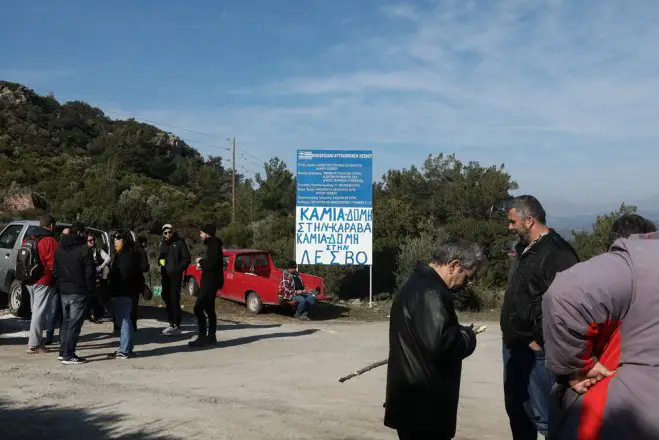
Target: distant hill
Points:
(564, 225)
(103, 171)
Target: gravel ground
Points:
(270, 377)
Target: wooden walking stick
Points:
(363, 370)
(374, 365)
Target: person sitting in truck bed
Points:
(291, 288)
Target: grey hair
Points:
(470, 254)
(528, 206)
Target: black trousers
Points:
(205, 307)
(171, 294)
(95, 309)
(413, 435)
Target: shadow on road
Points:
(50, 422)
(319, 312)
(161, 351)
(144, 335)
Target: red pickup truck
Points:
(251, 278)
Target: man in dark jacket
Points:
(75, 274)
(541, 254)
(427, 345)
(212, 278)
(174, 259)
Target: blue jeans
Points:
(54, 315)
(527, 385)
(74, 307)
(123, 310)
(304, 303)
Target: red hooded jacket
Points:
(47, 247)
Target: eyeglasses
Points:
(167, 233)
(91, 241)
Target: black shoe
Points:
(211, 339)
(199, 341)
(74, 360)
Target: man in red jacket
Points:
(42, 291)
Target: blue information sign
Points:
(334, 212)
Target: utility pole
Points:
(233, 181)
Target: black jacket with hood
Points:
(74, 269)
(534, 271)
(212, 266)
(426, 349)
(176, 255)
(126, 273)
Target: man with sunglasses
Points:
(541, 254)
(174, 259)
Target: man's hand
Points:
(582, 384)
(469, 336)
(534, 346)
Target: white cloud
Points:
(403, 10)
(518, 81)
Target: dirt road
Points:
(262, 381)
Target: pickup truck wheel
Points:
(192, 287)
(19, 300)
(253, 302)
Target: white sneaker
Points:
(171, 331)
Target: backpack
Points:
(28, 263)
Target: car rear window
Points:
(243, 263)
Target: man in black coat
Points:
(174, 259)
(427, 345)
(541, 254)
(75, 274)
(212, 278)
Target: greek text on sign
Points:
(334, 214)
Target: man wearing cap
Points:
(212, 278)
(174, 259)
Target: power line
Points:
(233, 183)
(165, 125)
(245, 155)
(254, 162)
(254, 157)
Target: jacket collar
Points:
(536, 244)
(425, 271)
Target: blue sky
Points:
(565, 93)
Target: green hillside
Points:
(109, 173)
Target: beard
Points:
(523, 235)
